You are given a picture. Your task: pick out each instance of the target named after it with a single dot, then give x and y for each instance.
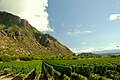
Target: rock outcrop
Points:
(18, 37)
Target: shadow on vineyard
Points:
(84, 69)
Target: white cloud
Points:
(114, 17)
(93, 49)
(77, 31)
(87, 31)
(100, 49)
(113, 43)
(83, 43)
(88, 50)
(112, 47)
(73, 32)
(76, 50)
(32, 10)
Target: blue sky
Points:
(85, 25)
(81, 25)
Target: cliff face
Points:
(52, 44)
(18, 37)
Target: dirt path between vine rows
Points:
(3, 77)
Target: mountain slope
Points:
(18, 37)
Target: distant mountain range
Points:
(18, 37)
(108, 52)
(87, 54)
(102, 52)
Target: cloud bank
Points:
(77, 31)
(114, 17)
(32, 10)
(93, 49)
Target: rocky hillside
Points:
(18, 37)
(88, 54)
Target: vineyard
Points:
(21, 70)
(84, 69)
